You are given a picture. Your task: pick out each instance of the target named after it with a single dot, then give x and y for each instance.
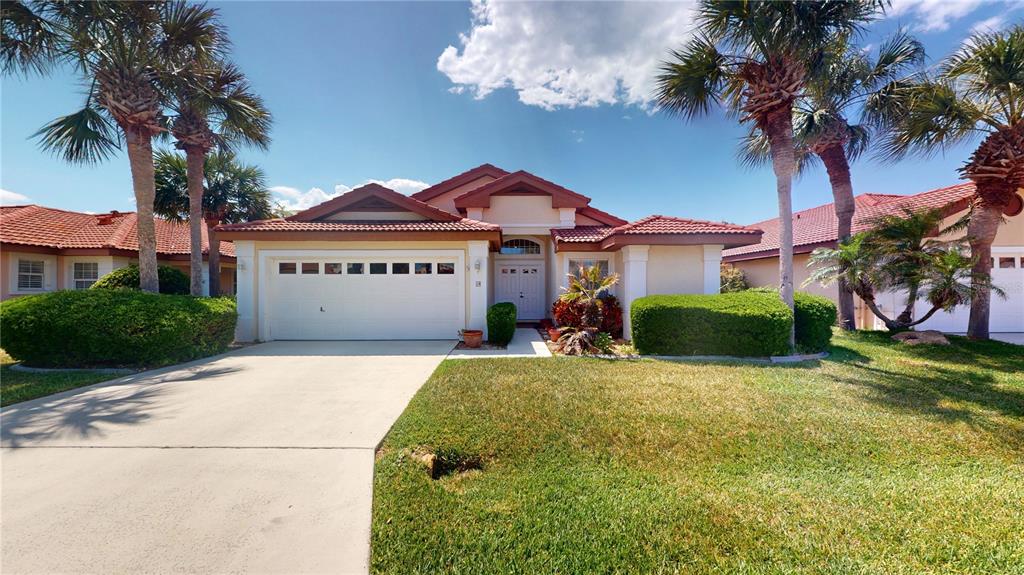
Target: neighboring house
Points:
(45, 249)
(376, 264)
(816, 227)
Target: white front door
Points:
(523, 285)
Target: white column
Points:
(634, 282)
(206, 278)
(479, 266)
(712, 268)
(245, 291)
(567, 217)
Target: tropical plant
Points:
(732, 279)
(977, 94)
(126, 53)
(577, 341)
(215, 108)
(232, 192)
(587, 287)
(847, 78)
(757, 56)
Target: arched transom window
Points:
(518, 247)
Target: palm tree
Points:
(232, 192)
(125, 52)
(757, 56)
(977, 94)
(588, 287)
(823, 132)
(214, 106)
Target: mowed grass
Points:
(16, 386)
(881, 459)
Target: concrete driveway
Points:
(260, 460)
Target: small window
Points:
(518, 247)
(354, 269)
(400, 269)
(310, 268)
(1006, 263)
(423, 269)
(378, 269)
(1022, 262)
(445, 268)
(333, 269)
(86, 274)
(286, 268)
(30, 274)
(575, 265)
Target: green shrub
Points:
(814, 316)
(732, 278)
(742, 324)
(603, 342)
(501, 323)
(172, 280)
(94, 328)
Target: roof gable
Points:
(373, 197)
(521, 182)
(440, 188)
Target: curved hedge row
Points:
(94, 328)
(749, 324)
(814, 315)
(172, 280)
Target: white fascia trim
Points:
(1006, 249)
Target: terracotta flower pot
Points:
(554, 333)
(472, 337)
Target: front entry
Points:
(523, 285)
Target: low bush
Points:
(114, 328)
(732, 279)
(501, 323)
(814, 316)
(748, 324)
(570, 314)
(172, 280)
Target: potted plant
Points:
(554, 333)
(472, 337)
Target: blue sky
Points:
(413, 93)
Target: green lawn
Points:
(18, 386)
(881, 459)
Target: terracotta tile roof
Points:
(651, 225)
(458, 180)
(600, 215)
(582, 234)
(280, 225)
(818, 226)
(61, 229)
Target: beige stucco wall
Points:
(509, 211)
(585, 221)
(675, 270)
(446, 201)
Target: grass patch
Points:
(17, 386)
(883, 458)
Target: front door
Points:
(523, 285)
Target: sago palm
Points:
(823, 132)
(756, 57)
(587, 287)
(124, 52)
(977, 95)
(232, 192)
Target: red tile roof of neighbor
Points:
(280, 225)
(651, 225)
(34, 225)
(818, 226)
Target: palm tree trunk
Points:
(981, 232)
(194, 157)
(838, 168)
(214, 258)
(140, 157)
(780, 139)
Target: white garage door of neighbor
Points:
(1006, 315)
(342, 296)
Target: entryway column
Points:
(712, 269)
(479, 266)
(245, 290)
(634, 282)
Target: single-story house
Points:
(45, 249)
(377, 264)
(816, 227)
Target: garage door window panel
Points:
(333, 269)
(354, 268)
(310, 268)
(445, 268)
(286, 268)
(400, 268)
(377, 269)
(424, 268)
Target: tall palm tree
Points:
(125, 52)
(976, 95)
(215, 106)
(232, 192)
(822, 131)
(757, 56)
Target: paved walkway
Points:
(260, 460)
(526, 342)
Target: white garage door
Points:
(1007, 315)
(342, 295)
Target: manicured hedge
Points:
(501, 323)
(93, 328)
(172, 280)
(741, 324)
(814, 315)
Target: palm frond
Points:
(29, 42)
(83, 137)
(693, 81)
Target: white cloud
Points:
(8, 197)
(566, 54)
(993, 24)
(933, 15)
(294, 199)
